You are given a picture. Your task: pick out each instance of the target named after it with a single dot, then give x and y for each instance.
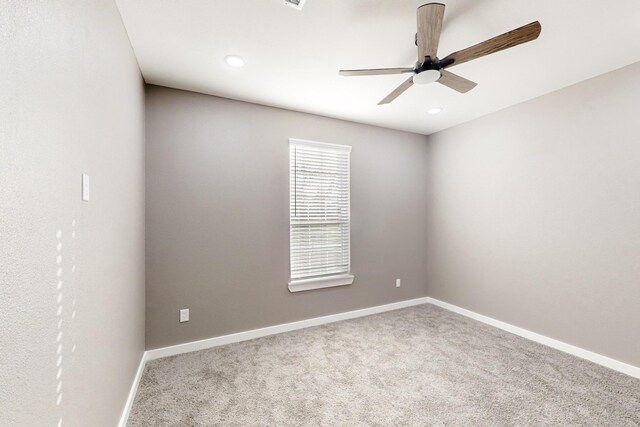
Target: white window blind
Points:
(319, 214)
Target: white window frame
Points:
(341, 279)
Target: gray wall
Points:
(71, 272)
(217, 216)
(534, 215)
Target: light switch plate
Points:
(184, 315)
(86, 190)
(397, 283)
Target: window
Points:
(319, 215)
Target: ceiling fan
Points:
(430, 68)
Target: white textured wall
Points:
(71, 273)
(534, 215)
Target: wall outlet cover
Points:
(184, 315)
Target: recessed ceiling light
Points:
(434, 110)
(234, 61)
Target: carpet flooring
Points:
(418, 366)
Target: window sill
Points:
(320, 282)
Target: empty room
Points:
(319, 213)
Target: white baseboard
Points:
(277, 329)
(132, 393)
(608, 362)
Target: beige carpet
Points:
(413, 367)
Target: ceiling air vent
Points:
(296, 4)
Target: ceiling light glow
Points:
(434, 110)
(234, 61)
(426, 77)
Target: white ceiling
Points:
(293, 57)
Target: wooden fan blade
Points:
(429, 28)
(397, 91)
(504, 41)
(375, 71)
(456, 82)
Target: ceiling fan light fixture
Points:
(427, 76)
(430, 69)
(434, 110)
(234, 61)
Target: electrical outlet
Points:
(397, 283)
(184, 315)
